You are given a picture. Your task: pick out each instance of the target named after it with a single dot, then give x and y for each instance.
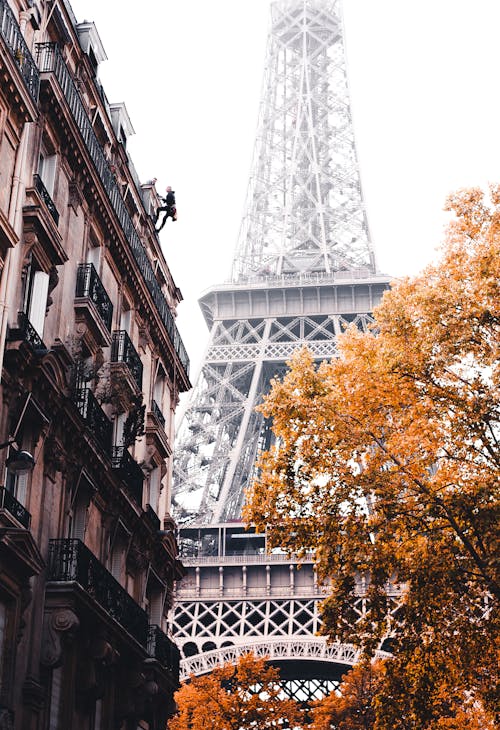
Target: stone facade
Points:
(92, 365)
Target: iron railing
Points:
(50, 60)
(11, 34)
(122, 350)
(88, 284)
(94, 417)
(26, 332)
(16, 509)
(72, 561)
(163, 649)
(129, 471)
(44, 194)
(155, 408)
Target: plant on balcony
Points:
(85, 369)
(134, 423)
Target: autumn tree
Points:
(387, 462)
(352, 707)
(238, 697)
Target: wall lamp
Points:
(18, 461)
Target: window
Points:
(158, 388)
(118, 558)
(35, 296)
(79, 509)
(47, 172)
(119, 427)
(93, 256)
(126, 319)
(154, 488)
(155, 599)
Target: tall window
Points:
(47, 171)
(159, 387)
(154, 488)
(126, 319)
(35, 296)
(118, 427)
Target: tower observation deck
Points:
(303, 269)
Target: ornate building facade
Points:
(91, 368)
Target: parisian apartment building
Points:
(92, 365)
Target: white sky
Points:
(424, 78)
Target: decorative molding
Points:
(59, 625)
(276, 650)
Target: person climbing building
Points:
(168, 208)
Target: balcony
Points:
(51, 61)
(44, 194)
(19, 51)
(70, 561)
(25, 332)
(40, 221)
(93, 305)
(129, 471)
(9, 503)
(155, 410)
(123, 351)
(155, 430)
(95, 419)
(163, 649)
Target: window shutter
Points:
(21, 488)
(116, 561)
(119, 425)
(48, 172)
(156, 607)
(154, 488)
(158, 390)
(126, 320)
(38, 301)
(93, 256)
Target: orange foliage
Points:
(235, 698)
(352, 707)
(388, 463)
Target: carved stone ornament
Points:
(54, 457)
(57, 626)
(75, 198)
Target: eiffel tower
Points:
(304, 269)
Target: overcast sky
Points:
(424, 80)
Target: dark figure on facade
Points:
(168, 208)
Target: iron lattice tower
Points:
(303, 269)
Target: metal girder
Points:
(305, 211)
(303, 269)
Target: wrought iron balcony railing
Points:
(44, 194)
(50, 60)
(122, 350)
(26, 332)
(94, 417)
(129, 471)
(88, 284)
(16, 509)
(163, 649)
(155, 408)
(11, 34)
(72, 561)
